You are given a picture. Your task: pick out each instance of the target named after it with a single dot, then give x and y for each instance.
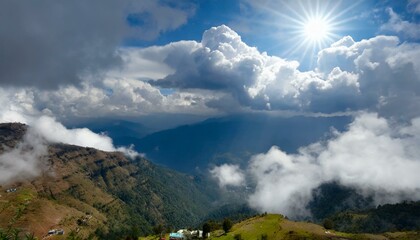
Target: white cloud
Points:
(17, 105)
(397, 25)
(223, 74)
(387, 75)
(25, 160)
(120, 97)
(375, 156)
(346, 56)
(55, 132)
(350, 76)
(228, 175)
(142, 63)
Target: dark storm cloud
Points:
(50, 43)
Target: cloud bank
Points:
(375, 156)
(27, 159)
(222, 74)
(54, 132)
(376, 74)
(52, 43)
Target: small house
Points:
(176, 236)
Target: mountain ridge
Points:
(196, 147)
(119, 196)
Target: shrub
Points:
(328, 224)
(237, 237)
(227, 225)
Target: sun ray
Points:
(304, 26)
(316, 26)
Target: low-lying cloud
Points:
(24, 161)
(376, 157)
(55, 132)
(17, 105)
(228, 175)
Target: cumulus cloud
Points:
(350, 76)
(387, 74)
(223, 62)
(25, 160)
(16, 105)
(51, 43)
(228, 175)
(221, 73)
(375, 156)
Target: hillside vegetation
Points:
(102, 194)
(272, 226)
(389, 217)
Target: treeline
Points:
(387, 218)
(235, 212)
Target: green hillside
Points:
(274, 226)
(101, 194)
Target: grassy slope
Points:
(276, 227)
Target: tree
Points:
(206, 229)
(30, 236)
(227, 225)
(158, 229)
(328, 224)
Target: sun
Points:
(302, 28)
(316, 30)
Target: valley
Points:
(85, 193)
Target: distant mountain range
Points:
(118, 129)
(193, 148)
